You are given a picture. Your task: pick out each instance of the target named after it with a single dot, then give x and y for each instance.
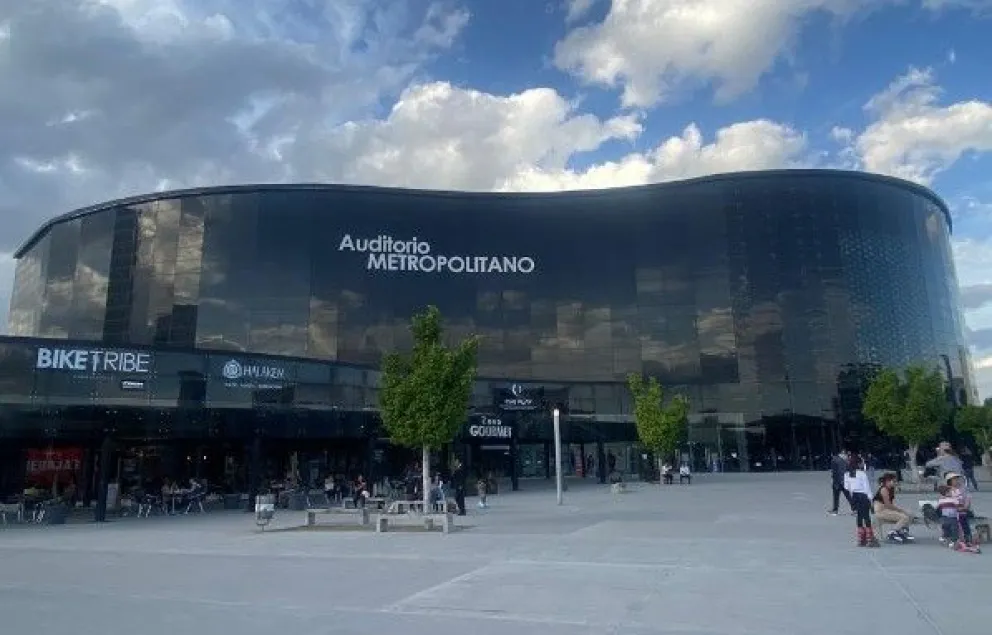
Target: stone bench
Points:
(405, 507)
(373, 501)
(363, 514)
(429, 521)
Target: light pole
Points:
(556, 417)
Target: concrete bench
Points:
(363, 514)
(372, 501)
(429, 521)
(405, 507)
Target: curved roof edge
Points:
(725, 176)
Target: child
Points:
(947, 506)
(857, 484)
(483, 487)
(958, 492)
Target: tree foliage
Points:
(426, 393)
(660, 426)
(976, 421)
(911, 408)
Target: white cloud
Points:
(652, 48)
(750, 145)
(441, 136)
(914, 137)
(577, 9)
(978, 6)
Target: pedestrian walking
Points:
(838, 467)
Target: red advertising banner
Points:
(43, 466)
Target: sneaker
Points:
(833, 513)
(895, 536)
(906, 535)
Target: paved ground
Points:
(731, 554)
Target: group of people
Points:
(849, 475)
(668, 475)
(441, 488)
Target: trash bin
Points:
(265, 509)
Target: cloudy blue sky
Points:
(102, 98)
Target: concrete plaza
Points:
(728, 555)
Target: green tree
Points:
(911, 408)
(977, 421)
(660, 426)
(426, 393)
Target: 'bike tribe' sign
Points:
(93, 361)
(385, 253)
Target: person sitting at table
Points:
(666, 474)
(330, 488)
(360, 491)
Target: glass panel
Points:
(56, 319)
(92, 279)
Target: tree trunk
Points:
(426, 474)
(914, 471)
(661, 476)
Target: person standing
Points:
(857, 485)
(968, 468)
(458, 481)
(838, 466)
(946, 461)
(483, 488)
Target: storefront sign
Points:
(490, 428)
(519, 399)
(93, 361)
(413, 255)
(238, 374)
(46, 463)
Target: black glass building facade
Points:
(762, 296)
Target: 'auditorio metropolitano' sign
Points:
(385, 253)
